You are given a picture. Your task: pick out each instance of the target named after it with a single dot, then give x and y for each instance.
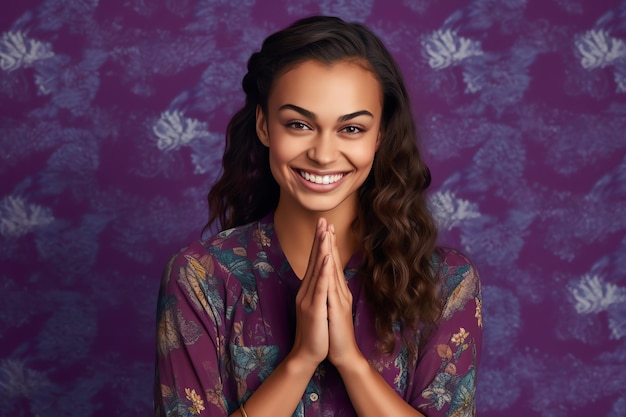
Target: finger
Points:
(317, 285)
(313, 256)
(323, 272)
(333, 295)
(319, 229)
(341, 284)
(320, 292)
(338, 293)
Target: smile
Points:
(320, 179)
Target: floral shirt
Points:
(226, 319)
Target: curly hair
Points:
(399, 233)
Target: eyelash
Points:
(354, 130)
(298, 125)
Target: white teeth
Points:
(321, 179)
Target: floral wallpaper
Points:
(112, 117)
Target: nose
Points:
(324, 149)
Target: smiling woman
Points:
(324, 294)
(322, 148)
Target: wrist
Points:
(298, 366)
(353, 366)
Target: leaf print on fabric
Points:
(206, 156)
(197, 404)
(451, 386)
(236, 262)
(203, 266)
(464, 291)
(174, 130)
(479, 312)
(261, 238)
(259, 360)
(437, 392)
(172, 328)
(462, 404)
(444, 352)
(167, 334)
(593, 295)
(597, 49)
(250, 300)
(262, 265)
(499, 80)
(17, 51)
(450, 210)
(190, 276)
(459, 338)
(401, 363)
(71, 85)
(18, 218)
(194, 277)
(216, 397)
(444, 48)
(174, 405)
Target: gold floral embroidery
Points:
(479, 312)
(261, 238)
(197, 403)
(459, 338)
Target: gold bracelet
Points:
(243, 412)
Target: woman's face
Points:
(322, 130)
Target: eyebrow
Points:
(309, 114)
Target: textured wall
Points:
(112, 118)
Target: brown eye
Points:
(352, 130)
(298, 126)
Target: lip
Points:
(325, 181)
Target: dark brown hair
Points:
(397, 229)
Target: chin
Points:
(326, 207)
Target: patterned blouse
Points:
(226, 319)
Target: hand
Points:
(311, 341)
(343, 349)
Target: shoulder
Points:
(458, 278)
(223, 253)
(207, 247)
(452, 264)
(448, 257)
(226, 240)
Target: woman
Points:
(326, 293)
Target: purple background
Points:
(111, 131)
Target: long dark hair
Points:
(398, 231)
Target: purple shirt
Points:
(226, 319)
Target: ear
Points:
(261, 127)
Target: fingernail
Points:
(332, 228)
(319, 223)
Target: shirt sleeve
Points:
(189, 314)
(448, 362)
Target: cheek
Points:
(279, 161)
(364, 157)
(279, 154)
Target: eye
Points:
(298, 126)
(352, 130)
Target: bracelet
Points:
(243, 412)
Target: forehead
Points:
(338, 88)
